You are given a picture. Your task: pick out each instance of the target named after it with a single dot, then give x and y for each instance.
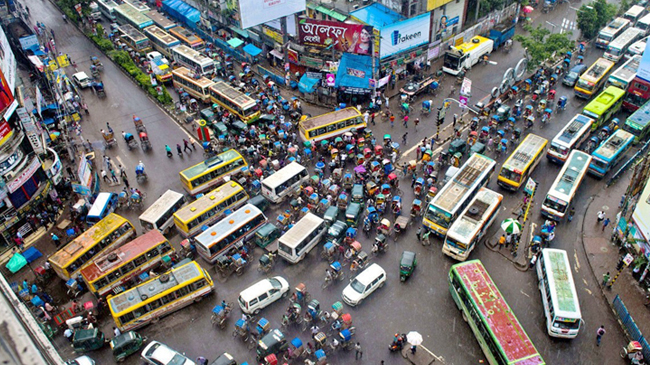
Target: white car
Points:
(364, 284)
(261, 294)
(81, 360)
(81, 79)
(157, 353)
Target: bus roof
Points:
(628, 70)
(579, 122)
(155, 32)
(613, 144)
(153, 287)
(280, 176)
(120, 255)
(625, 38)
(233, 94)
(225, 226)
(93, 234)
(100, 203)
(641, 117)
(185, 72)
(559, 269)
(327, 118)
(207, 200)
(576, 163)
(160, 20)
(186, 34)
(139, 5)
(130, 12)
(598, 69)
(605, 100)
(188, 52)
(474, 215)
(634, 11)
(130, 31)
(169, 197)
(615, 24)
(465, 178)
(524, 153)
(472, 44)
(211, 162)
(300, 230)
(501, 320)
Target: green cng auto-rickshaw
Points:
(126, 344)
(407, 265)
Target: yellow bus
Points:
(209, 208)
(112, 231)
(160, 296)
(521, 163)
(197, 87)
(330, 125)
(119, 267)
(188, 38)
(590, 82)
(212, 172)
(236, 102)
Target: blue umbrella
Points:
(320, 165)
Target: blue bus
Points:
(104, 205)
(610, 152)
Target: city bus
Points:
(160, 20)
(471, 226)
(644, 23)
(636, 49)
(296, 243)
(161, 41)
(235, 101)
(195, 61)
(112, 231)
(134, 39)
(610, 152)
(634, 14)
(114, 271)
(127, 14)
(226, 235)
(105, 204)
(138, 5)
(209, 208)
(559, 295)
(457, 193)
(570, 137)
(611, 31)
(623, 76)
(284, 181)
(160, 215)
(522, 162)
(637, 94)
(604, 106)
(590, 82)
(199, 88)
(160, 296)
(494, 324)
(617, 48)
(559, 196)
(188, 38)
(639, 123)
(332, 124)
(107, 8)
(215, 170)
(466, 55)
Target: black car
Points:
(573, 75)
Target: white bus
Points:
(284, 181)
(559, 296)
(193, 60)
(634, 14)
(611, 31)
(644, 23)
(106, 7)
(636, 49)
(623, 76)
(617, 48)
(227, 234)
(296, 243)
(472, 225)
(559, 197)
(160, 215)
(571, 136)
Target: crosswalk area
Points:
(568, 25)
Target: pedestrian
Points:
(125, 181)
(386, 101)
(55, 239)
(68, 333)
(179, 149)
(606, 278)
(358, 352)
(502, 241)
(508, 240)
(416, 122)
(455, 119)
(105, 176)
(193, 143)
(413, 349)
(572, 212)
(605, 224)
(392, 120)
(404, 137)
(489, 144)
(70, 172)
(372, 119)
(366, 115)
(116, 331)
(186, 145)
(202, 360)
(113, 176)
(122, 171)
(599, 334)
(418, 234)
(601, 216)
(406, 121)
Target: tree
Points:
(542, 45)
(593, 17)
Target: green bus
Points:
(639, 123)
(604, 106)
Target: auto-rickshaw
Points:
(85, 340)
(266, 235)
(334, 190)
(323, 204)
(396, 205)
(272, 343)
(386, 190)
(331, 214)
(343, 201)
(418, 187)
(371, 188)
(126, 344)
(379, 150)
(541, 106)
(353, 214)
(432, 192)
(457, 145)
(384, 226)
(336, 231)
(503, 112)
(456, 159)
(337, 175)
(357, 193)
(380, 199)
(380, 244)
(426, 155)
(407, 265)
(478, 147)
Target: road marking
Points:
(575, 258)
(522, 292)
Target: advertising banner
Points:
(6, 95)
(330, 79)
(7, 63)
(256, 12)
(273, 34)
(405, 35)
(16, 183)
(351, 38)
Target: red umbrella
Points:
(527, 9)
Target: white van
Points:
(364, 284)
(261, 294)
(81, 79)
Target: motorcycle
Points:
(398, 343)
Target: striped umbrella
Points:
(511, 226)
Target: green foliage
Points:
(625, 5)
(542, 45)
(593, 17)
(489, 5)
(103, 43)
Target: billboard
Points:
(644, 66)
(404, 35)
(350, 38)
(6, 96)
(256, 12)
(7, 62)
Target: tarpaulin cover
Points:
(354, 71)
(252, 50)
(16, 262)
(31, 254)
(307, 84)
(182, 11)
(235, 42)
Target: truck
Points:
(159, 66)
(501, 33)
(95, 14)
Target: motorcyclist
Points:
(139, 169)
(328, 275)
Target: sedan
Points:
(81, 360)
(573, 75)
(157, 353)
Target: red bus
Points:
(637, 95)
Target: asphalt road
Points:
(423, 303)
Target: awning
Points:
(274, 52)
(182, 11)
(239, 31)
(36, 62)
(332, 13)
(252, 50)
(355, 71)
(307, 84)
(235, 42)
(16, 262)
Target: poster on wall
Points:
(350, 38)
(446, 27)
(256, 12)
(404, 35)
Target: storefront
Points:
(353, 79)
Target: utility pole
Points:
(623, 262)
(285, 39)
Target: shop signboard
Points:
(19, 180)
(311, 62)
(405, 35)
(273, 34)
(256, 12)
(330, 80)
(350, 38)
